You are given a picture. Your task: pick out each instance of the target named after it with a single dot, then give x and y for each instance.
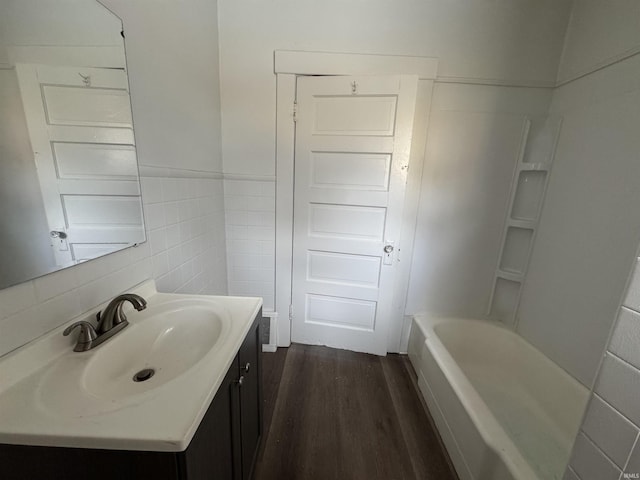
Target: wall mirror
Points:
(69, 185)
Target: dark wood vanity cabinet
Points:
(226, 443)
(250, 398)
(224, 447)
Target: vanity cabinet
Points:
(226, 443)
(224, 447)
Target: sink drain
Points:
(144, 374)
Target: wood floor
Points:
(333, 414)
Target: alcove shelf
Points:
(528, 188)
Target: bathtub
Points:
(503, 409)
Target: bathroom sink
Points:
(167, 343)
(53, 396)
(159, 345)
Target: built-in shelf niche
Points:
(528, 188)
(529, 194)
(515, 252)
(506, 294)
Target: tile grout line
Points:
(604, 454)
(602, 399)
(625, 362)
(626, 464)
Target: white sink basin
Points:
(90, 399)
(169, 339)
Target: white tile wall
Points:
(250, 228)
(185, 253)
(589, 463)
(31, 309)
(633, 466)
(608, 445)
(184, 218)
(609, 429)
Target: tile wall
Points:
(30, 309)
(608, 446)
(185, 252)
(184, 218)
(250, 229)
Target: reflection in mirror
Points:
(69, 188)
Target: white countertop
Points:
(162, 418)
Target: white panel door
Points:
(81, 132)
(353, 140)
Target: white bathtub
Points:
(503, 409)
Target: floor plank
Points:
(272, 366)
(416, 425)
(345, 415)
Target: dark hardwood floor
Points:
(334, 414)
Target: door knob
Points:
(388, 248)
(58, 234)
(246, 368)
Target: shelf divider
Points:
(537, 151)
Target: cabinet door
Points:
(250, 397)
(26, 462)
(210, 455)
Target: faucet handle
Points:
(87, 335)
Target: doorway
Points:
(289, 68)
(352, 150)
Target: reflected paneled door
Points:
(81, 131)
(353, 140)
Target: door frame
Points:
(287, 66)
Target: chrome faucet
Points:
(110, 321)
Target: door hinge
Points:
(290, 313)
(295, 111)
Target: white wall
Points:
(67, 32)
(475, 134)
(599, 32)
(58, 22)
(173, 71)
(501, 41)
(172, 56)
(590, 224)
(505, 39)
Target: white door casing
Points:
(81, 132)
(352, 149)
